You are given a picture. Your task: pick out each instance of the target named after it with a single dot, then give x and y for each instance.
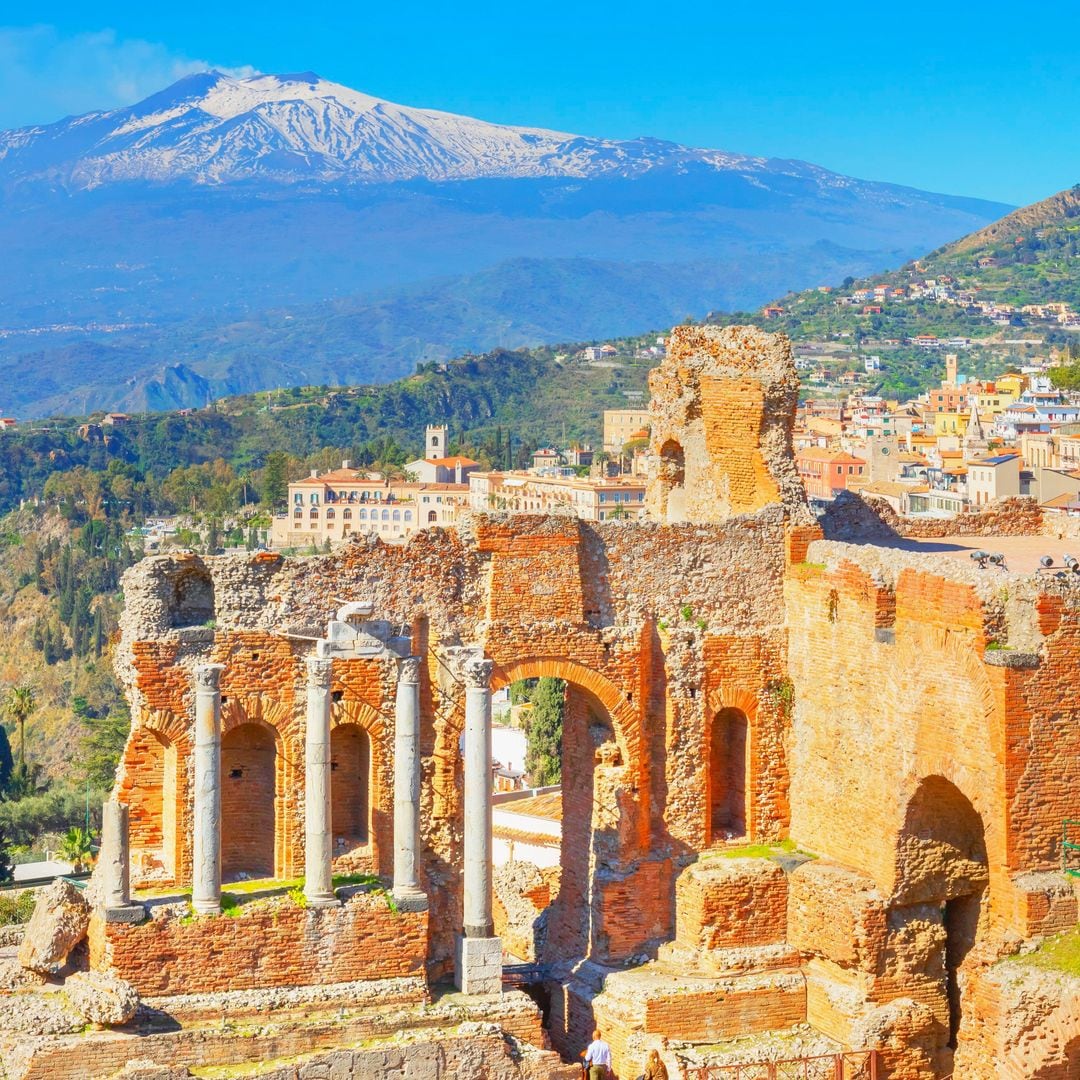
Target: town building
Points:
(824, 472)
(622, 425)
(342, 503)
(990, 479)
(589, 498)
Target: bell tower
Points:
(435, 441)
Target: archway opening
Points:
(193, 597)
(153, 807)
(942, 861)
(672, 475)
(248, 802)
(546, 832)
(728, 742)
(350, 787)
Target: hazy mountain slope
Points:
(179, 230)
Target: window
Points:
(298, 497)
(386, 515)
(432, 517)
(314, 499)
(397, 515)
(314, 513)
(298, 513)
(346, 513)
(408, 515)
(330, 514)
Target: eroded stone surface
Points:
(59, 923)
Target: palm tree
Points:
(75, 848)
(20, 705)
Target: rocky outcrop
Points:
(58, 924)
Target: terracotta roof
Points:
(835, 457)
(1062, 501)
(547, 806)
(452, 462)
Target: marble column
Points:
(479, 958)
(114, 860)
(318, 840)
(206, 870)
(407, 892)
(478, 782)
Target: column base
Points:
(125, 913)
(206, 907)
(478, 965)
(410, 899)
(322, 901)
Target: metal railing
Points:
(849, 1065)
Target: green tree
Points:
(102, 742)
(7, 870)
(7, 763)
(275, 481)
(543, 746)
(19, 707)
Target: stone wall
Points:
(264, 944)
(723, 408)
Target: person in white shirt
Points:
(597, 1057)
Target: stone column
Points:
(206, 871)
(318, 842)
(114, 860)
(479, 966)
(407, 892)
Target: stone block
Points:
(59, 923)
(1045, 903)
(101, 998)
(837, 914)
(731, 903)
(479, 965)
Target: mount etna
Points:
(226, 235)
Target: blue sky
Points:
(976, 99)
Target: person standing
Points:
(655, 1069)
(597, 1058)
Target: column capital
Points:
(409, 669)
(319, 671)
(477, 672)
(208, 676)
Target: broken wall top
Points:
(723, 405)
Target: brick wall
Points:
(270, 943)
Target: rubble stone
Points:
(59, 923)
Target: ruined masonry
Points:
(897, 735)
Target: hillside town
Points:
(963, 445)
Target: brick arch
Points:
(283, 722)
(726, 697)
(918, 682)
(361, 713)
(746, 702)
(380, 780)
(625, 719)
(152, 783)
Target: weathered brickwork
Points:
(269, 943)
(908, 724)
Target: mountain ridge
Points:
(187, 228)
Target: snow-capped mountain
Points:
(214, 129)
(284, 229)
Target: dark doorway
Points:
(248, 796)
(727, 774)
(350, 785)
